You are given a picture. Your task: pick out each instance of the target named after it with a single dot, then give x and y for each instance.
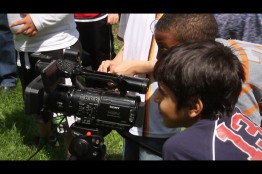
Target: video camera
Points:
(114, 106)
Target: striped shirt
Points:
(250, 97)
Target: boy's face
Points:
(164, 41)
(168, 108)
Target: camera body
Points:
(94, 107)
(116, 106)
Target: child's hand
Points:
(106, 66)
(113, 18)
(28, 27)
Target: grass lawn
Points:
(17, 130)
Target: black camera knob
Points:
(79, 147)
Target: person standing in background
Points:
(240, 26)
(49, 34)
(96, 37)
(8, 70)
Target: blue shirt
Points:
(229, 138)
(244, 26)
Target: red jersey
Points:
(88, 15)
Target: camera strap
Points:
(26, 59)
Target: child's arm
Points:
(106, 65)
(133, 67)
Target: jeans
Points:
(133, 151)
(147, 155)
(8, 68)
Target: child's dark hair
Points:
(205, 70)
(189, 27)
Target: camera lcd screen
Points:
(50, 77)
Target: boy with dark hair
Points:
(199, 85)
(173, 29)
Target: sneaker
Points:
(8, 87)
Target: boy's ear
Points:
(196, 110)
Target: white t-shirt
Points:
(138, 34)
(55, 31)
